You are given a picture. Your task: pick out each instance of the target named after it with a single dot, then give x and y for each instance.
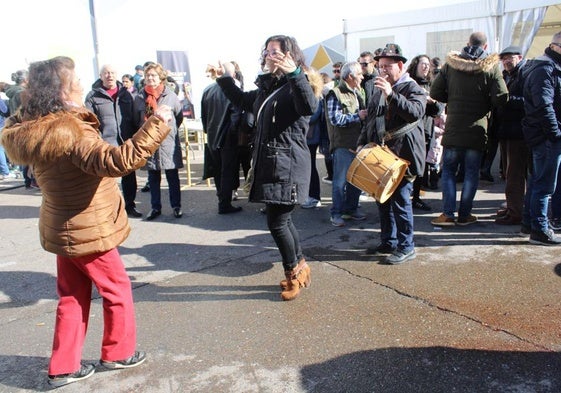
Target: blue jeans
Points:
(556, 199)
(396, 218)
(451, 158)
(344, 195)
(4, 168)
(546, 158)
(154, 180)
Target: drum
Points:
(377, 171)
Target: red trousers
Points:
(74, 287)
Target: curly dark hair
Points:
(412, 69)
(48, 79)
(288, 44)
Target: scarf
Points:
(152, 95)
(473, 53)
(556, 57)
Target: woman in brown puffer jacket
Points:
(82, 217)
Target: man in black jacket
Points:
(112, 103)
(543, 135)
(514, 150)
(221, 120)
(395, 114)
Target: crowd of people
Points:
(443, 118)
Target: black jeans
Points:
(285, 234)
(128, 185)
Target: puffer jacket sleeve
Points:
(96, 157)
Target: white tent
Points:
(322, 55)
(529, 24)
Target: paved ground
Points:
(477, 311)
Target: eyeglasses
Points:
(365, 64)
(273, 53)
(336, 71)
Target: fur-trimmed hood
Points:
(483, 64)
(45, 139)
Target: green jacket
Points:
(471, 88)
(346, 135)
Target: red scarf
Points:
(152, 95)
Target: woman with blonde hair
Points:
(168, 157)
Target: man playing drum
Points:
(394, 119)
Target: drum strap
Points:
(400, 131)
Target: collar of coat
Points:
(454, 60)
(48, 138)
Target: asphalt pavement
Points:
(478, 310)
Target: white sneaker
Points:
(10, 175)
(311, 203)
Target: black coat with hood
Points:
(281, 158)
(542, 99)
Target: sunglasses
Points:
(365, 64)
(336, 71)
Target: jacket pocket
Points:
(277, 163)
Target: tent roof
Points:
(477, 9)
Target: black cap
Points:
(391, 51)
(511, 50)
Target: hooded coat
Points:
(542, 99)
(471, 86)
(281, 158)
(82, 211)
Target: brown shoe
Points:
(508, 220)
(502, 212)
(443, 221)
(296, 278)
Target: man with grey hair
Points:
(345, 111)
(112, 103)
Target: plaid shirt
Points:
(336, 115)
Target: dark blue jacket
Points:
(542, 100)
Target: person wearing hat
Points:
(395, 118)
(514, 150)
(471, 84)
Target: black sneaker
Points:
(524, 230)
(380, 249)
(85, 371)
(546, 238)
(135, 360)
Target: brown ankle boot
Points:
(301, 265)
(295, 279)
